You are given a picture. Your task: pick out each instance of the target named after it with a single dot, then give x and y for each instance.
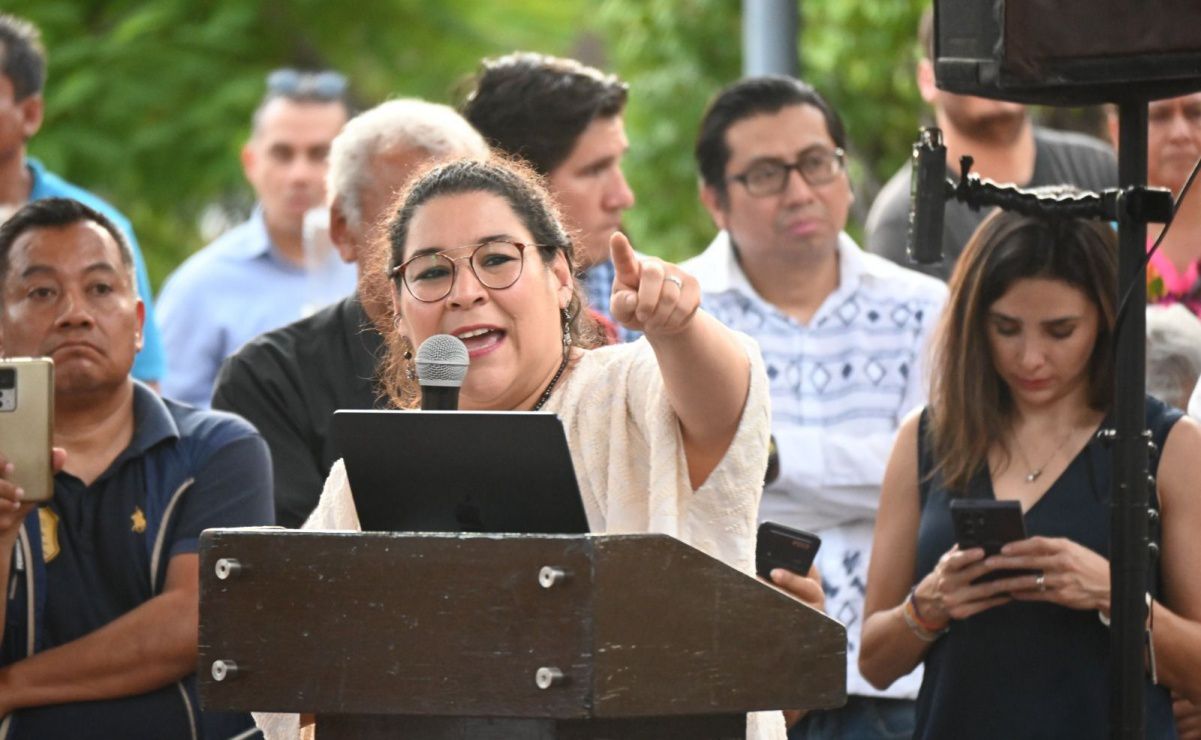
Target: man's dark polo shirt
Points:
(289, 381)
(106, 548)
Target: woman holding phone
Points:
(1023, 379)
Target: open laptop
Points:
(460, 471)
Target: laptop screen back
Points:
(460, 471)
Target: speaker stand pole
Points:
(1130, 557)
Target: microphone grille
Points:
(442, 360)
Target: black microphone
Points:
(927, 197)
(441, 366)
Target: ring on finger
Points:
(674, 279)
(1041, 582)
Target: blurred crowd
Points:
(785, 373)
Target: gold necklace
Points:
(1033, 473)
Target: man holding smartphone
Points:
(100, 602)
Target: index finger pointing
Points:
(625, 262)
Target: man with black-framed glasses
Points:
(842, 334)
(277, 266)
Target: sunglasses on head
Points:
(325, 85)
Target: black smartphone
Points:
(779, 546)
(989, 524)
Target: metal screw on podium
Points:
(224, 670)
(227, 568)
(547, 677)
(549, 576)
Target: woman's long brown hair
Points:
(971, 408)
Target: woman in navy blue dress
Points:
(1023, 379)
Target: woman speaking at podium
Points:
(668, 434)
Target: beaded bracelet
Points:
(918, 626)
(917, 614)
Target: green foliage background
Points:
(676, 53)
(149, 103)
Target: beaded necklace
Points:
(549, 388)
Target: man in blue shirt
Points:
(24, 179)
(290, 380)
(266, 272)
(99, 587)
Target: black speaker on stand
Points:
(1085, 52)
(1068, 52)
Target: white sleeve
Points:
(721, 516)
(629, 456)
(335, 509)
(765, 726)
(278, 726)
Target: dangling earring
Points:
(410, 371)
(566, 331)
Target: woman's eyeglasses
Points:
(496, 263)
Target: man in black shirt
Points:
(289, 381)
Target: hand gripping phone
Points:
(26, 423)
(778, 546)
(988, 524)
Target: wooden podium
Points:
(437, 636)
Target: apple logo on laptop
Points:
(467, 515)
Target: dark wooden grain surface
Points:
(457, 625)
(439, 625)
(693, 633)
